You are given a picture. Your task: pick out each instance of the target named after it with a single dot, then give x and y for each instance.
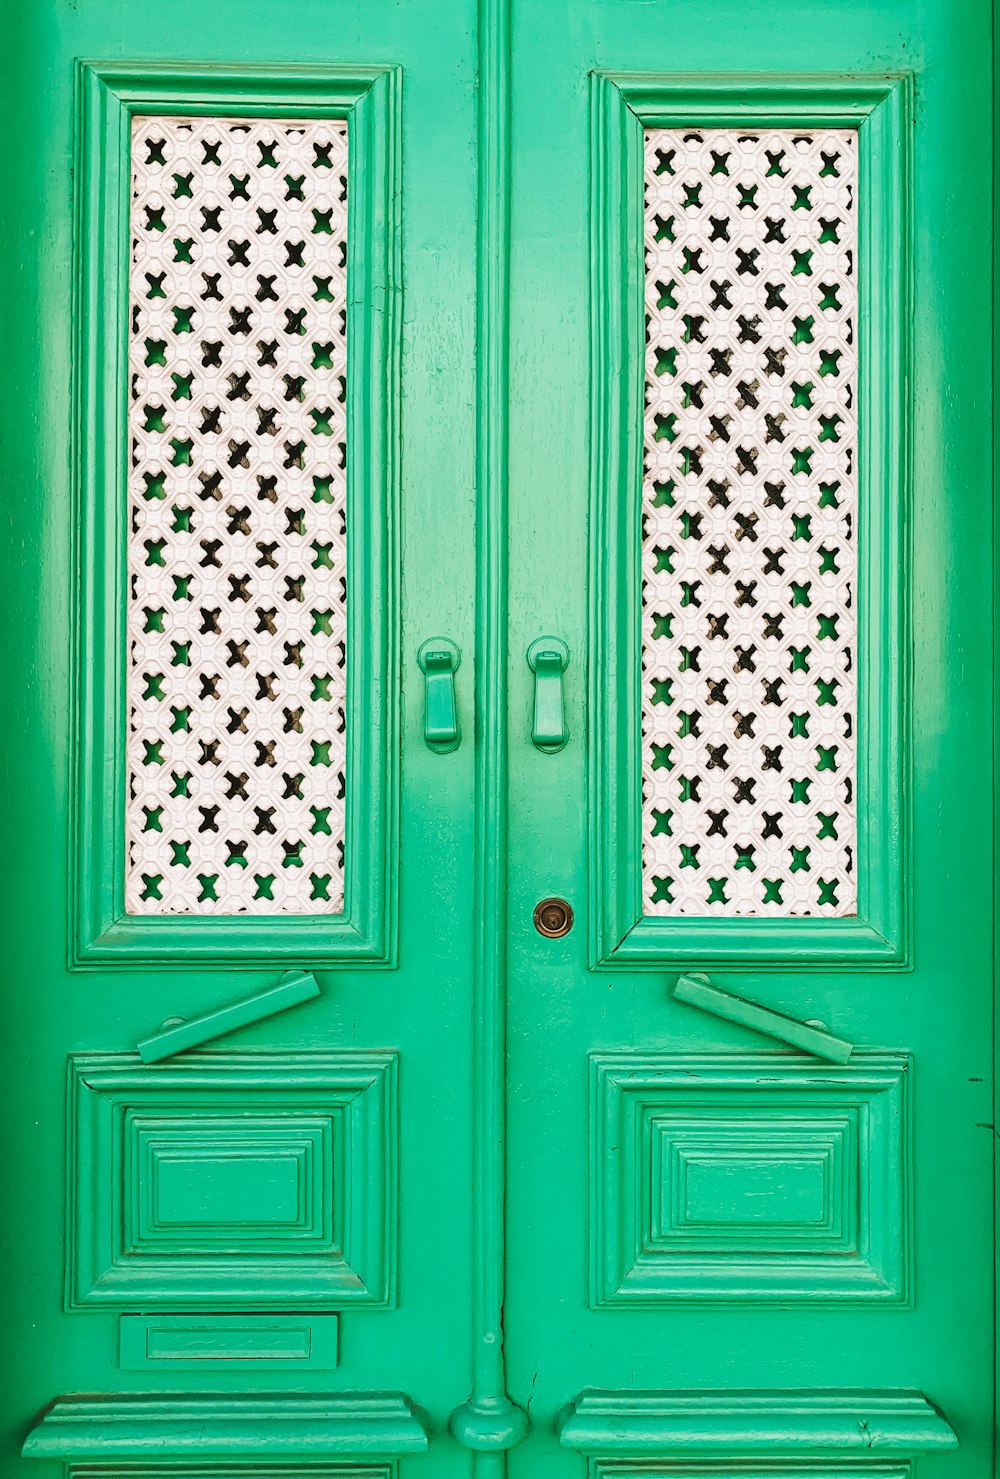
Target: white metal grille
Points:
(236, 614)
(749, 511)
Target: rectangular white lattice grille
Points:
(749, 513)
(236, 615)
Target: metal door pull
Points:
(811, 1037)
(548, 658)
(176, 1035)
(439, 660)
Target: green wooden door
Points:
(748, 445)
(268, 226)
(499, 947)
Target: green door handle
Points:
(548, 658)
(811, 1037)
(175, 1035)
(439, 660)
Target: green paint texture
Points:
(553, 1210)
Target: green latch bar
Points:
(547, 659)
(439, 659)
(811, 1037)
(293, 988)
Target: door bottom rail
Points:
(167, 1427)
(847, 1421)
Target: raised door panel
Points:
(264, 1182)
(749, 1178)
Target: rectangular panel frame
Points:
(868, 1261)
(247, 1343)
(622, 107)
(351, 1262)
(108, 95)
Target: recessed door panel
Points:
(748, 1178)
(261, 1182)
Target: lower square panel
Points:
(748, 1177)
(221, 1180)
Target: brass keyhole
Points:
(553, 917)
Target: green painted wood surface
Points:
(930, 993)
(209, 1343)
(420, 1006)
(495, 1027)
(290, 1426)
(742, 1423)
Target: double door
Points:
(498, 928)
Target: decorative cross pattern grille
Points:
(749, 511)
(236, 488)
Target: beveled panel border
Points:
(622, 107)
(108, 95)
(627, 1270)
(353, 1265)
